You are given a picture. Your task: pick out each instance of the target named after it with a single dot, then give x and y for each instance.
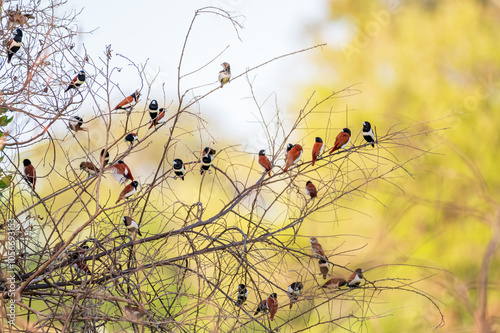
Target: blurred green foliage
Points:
(436, 62)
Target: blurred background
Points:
(435, 62)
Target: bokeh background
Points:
(435, 62)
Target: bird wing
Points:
(272, 305)
(125, 101)
(265, 163)
(316, 151)
(341, 140)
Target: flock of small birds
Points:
(122, 173)
(294, 290)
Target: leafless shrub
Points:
(79, 269)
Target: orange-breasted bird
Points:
(77, 81)
(293, 156)
(128, 102)
(317, 149)
(264, 162)
(29, 172)
(271, 304)
(355, 279)
(128, 191)
(224, 74)
(342, 139)
(311, 190)
(317, 249)
(14, 45)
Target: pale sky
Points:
(156, 30)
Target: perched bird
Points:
(293, 156)
(128, 102)
(355, 278)
(131, 137)
(317, 249)
(342, 139)
(80, 266)
(368, 133)
(179, 168)
(106, 157)
(29, 172)
(160, 116)
(208, 156)
(133, 313)
(82, 250)
(271, 304)
(206, 162)
(242, 295)
(77, 81)
(334, 283)
(75, 124)
(324, 268)
(311, 190)
(128, 191)
(89, 168)
(57, 247)
(153, 109)
(264, 162)
(210, 152)
(317, 149)
(224, 74)
(121, 172)
(293, 292)
(131, 225)
(154, 114)
(14, 45)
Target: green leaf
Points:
(4, 121)
(5, 182)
